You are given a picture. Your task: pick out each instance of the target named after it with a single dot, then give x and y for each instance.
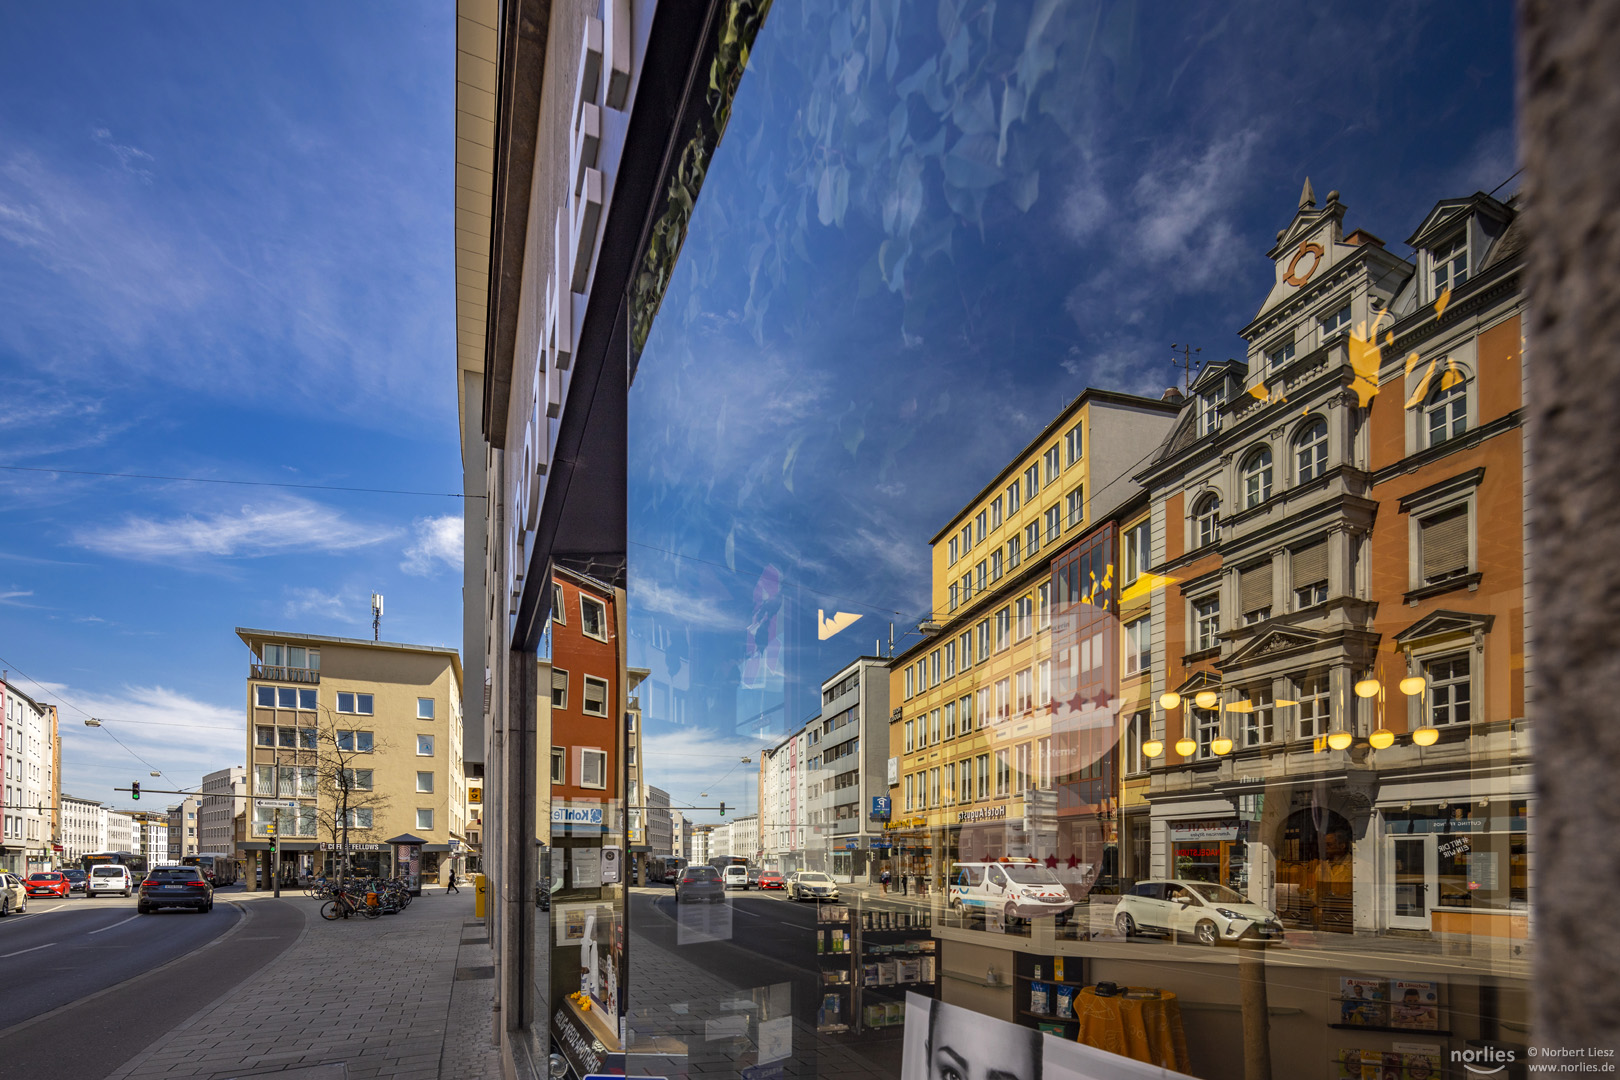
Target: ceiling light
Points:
(1152, 748)
(1222, 745)
(1413, 685)
(1339, 740)
(1426, 736)
(1185, 747)
(1368, 688)
(1207, 699)
(1170, 699)
(1382, 739)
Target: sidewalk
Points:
(402, 997)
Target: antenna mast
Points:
(1185, 363)
(376, 616)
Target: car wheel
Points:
(1009, 915)
(1206, 933)
(1125, 924)
(5, 906)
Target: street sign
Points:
(279, 804)
(881, 806)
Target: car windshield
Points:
(1032, 875)
(44, 877)
(107, 871)
(814, 879)
(73, 875)
(174, 874)
(1219, 894)
(700, 874)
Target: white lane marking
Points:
(120, 922)
(19, 952)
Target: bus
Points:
(667, 868)
(219, 869)
(720, 862)
(135, 863)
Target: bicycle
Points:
(344, 904)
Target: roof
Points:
(250, 635)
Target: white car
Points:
(1014, 889)
(735, 877)
(13, 897)
(109, 878)
(809, 883)
(1207, 912)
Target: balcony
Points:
(284, 674)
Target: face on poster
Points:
(947, 1042)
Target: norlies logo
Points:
(1483, 1060)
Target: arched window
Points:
(1310, 450)
(1206, 520)
(1445, 415)
(1257, 477)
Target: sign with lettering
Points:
(984, 813)
(882, 806)
(1203, 830)
(578, 817)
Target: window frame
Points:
(1206, 522)
(1206, 623)
(584, 625)
(588, 753)
(432, 707)
(1311, 440)
(1255, 476)
(420, 790)
(585, 697)
(424, 824)
(430, 746)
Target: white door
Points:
(1412, 881)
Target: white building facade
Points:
(28, 742)
(84, 828)
(221, 816)
(183, 828)
(120, 831)
(783, 809)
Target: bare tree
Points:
(343, 780)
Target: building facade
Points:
(363, 739)
(151, 835)
(84, 828)
(222, 813)
(184, 828)
(121, 832)
(848, 769)
(781, 798)
(28, 741)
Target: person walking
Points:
(885, 880)
(452, 887)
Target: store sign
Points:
(354, 847)
(1203, 830)
(578, 817)
(882, 806)
(894, 771)
(984, 813)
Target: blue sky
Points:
(226, 251)
(916, 245)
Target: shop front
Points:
(1457, 866)
(1214, 850)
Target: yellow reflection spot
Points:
(1440, 303)
(1144, 586)
(1240, 706)
(1452, 376)
(1411, 362)
(1258, 393)
(840, 621)
(1422, 390)
(1365, 356)
(1283, 703)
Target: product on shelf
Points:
(1065, 1002)
(1039, 999)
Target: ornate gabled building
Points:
(1343, 644)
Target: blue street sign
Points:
(881, 806)
(882, 844)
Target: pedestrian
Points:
(452, 887)
(885, 880)
(903, 877)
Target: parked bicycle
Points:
(347, 904)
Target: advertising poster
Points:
(944, 1041)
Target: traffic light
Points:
(135, 790)
(270, 828)
(722, 809)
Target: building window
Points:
(359, 704)
(950, 558)
(933, 668)
(995, 565)
(424, 818)
(1445, 415)
(1443, 545)
(1206, 521)
(978, 527)
(1207, 621)
(266, 736)
(965, 707)
(559, 607)
(984, 640)
(1206, 729)
(1015, 552)
(952, 601)
(358, 818)
(1335, 324)
(995, 513)
(424, 783)
(1073, 447)
(357, 741)
(1257, 722)
(592, 617)
(967, 538)
(1448, 689)
(933, 726)
(911, 682)
(1032, 538)
(1254, 593)
(1032, 482)
(1003, 700)
(286, 697)
(1310, 451)
(933, 786)
(424, 708)
(1279, 356)
(1024, 688)
(965, 645)
(593, 768)
(1075, 505)
(1135, 736)
(1138, 550)
(949, 709)
(1003, 628)
(1257, 477)
(1003, 774)
(1209, 409)
(559, 688)
(1054, 523)
(950, 658)
(1310, 575)
(424, 746)
(559, 765)
(1449, 265)
(1053, 462)
(1139, 645)
(596, 694)
(358, 779)
(1043, 605)
(266, 697)
(1044, 682)
(910, 735)
(1315, 711)
(981, 576)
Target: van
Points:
(1013, 889)
(109, 879)
(736, 876)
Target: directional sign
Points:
(279, 804)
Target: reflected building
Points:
(848, 771)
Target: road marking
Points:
(19, 952)
(120, 922)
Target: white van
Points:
(109, 879)
(736, 876)
(1014, 889)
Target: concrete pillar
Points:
(1569, 98)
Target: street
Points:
(81, 968)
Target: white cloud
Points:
(338, 606)
(438, 546)
(687, 762)
(130, 158)
(15, 596)
(284, 526)
(697, 611)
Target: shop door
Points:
(1412, 881)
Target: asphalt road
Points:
(92, 976)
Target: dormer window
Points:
(1450, 262)
(1335, 324)
(1279, 356)
(1209, 408)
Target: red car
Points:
(48, 883)
(770, 879)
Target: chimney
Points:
(1173, 395)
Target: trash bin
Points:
(478, 893)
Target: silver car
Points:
(13, 896)
(810, 885)
(1207, 912)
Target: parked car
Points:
(699, 883)
(13, 897)
(1207, 912)
(736, 877)
(175, 886)
(812, 885)
(110, 878)
(753, 877)
(771, 879)
(77, 881)
(1014, 889)
(48, 883)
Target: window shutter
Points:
(1310, 564)
(1254, 588)
(1445, 544)
(559, 680)
(595, 696)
